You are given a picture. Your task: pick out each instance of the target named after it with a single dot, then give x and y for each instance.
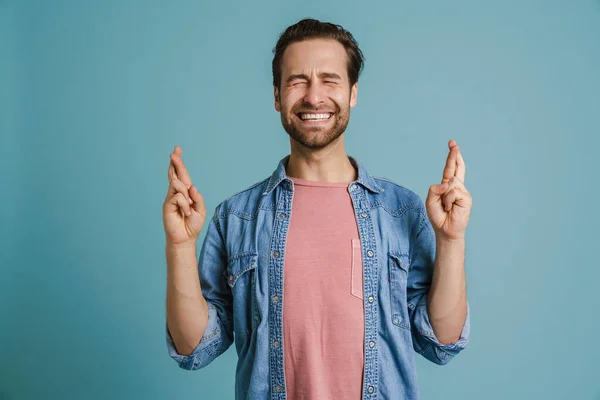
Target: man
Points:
(327, 278)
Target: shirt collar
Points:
(364, 178)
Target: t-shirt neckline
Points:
(306, 182)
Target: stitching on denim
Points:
(398, 256)
(242, 215)
(422, 226)
(247, 189)
(208, 338)
(400, 212)
(396, 308)
(381, 178)
(236, 276)
(242, 254)
(217, 224)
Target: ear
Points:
(276, 96)
(353, 94)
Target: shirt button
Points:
(282, 216)
(230, 278)
(276, 254)
(276, 299)
(276, 344)
(370, 299)
(278, 388)
(370, 253)
(372, 344)
(370, 389)
(364, 215)
(353, 187)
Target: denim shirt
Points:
(241, 274)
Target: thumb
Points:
(197, 198)
(436, 191)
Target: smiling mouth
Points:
(314, 117)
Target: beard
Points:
(316, 137)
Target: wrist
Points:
(184, 246)
(441, 238)
(445, 244)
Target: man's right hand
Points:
(183, 209)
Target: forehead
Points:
(315, 54)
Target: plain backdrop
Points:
(95, 95)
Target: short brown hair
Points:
(309, 28)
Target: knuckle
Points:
(179, 197)
(181, 187)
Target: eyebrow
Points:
(330, 75)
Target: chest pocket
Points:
(241, 277)
(356, 278)
(398, 265)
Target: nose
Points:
(314, 94)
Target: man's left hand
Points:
(449, 203)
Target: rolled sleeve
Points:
(420, 275)
(212, 344)
(218, 335)
(426, 343)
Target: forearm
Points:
(187, 311)
(447, 299)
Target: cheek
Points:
(342, 98)
(289, 101)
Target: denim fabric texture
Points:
(241, 273)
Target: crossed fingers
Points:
(455, 165)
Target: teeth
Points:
(315, 116)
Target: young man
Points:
(327, 278)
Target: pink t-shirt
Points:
(323, 312)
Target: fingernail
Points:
(189, 213)
(190, 200)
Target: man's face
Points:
(315, 97)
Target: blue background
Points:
(94, 96)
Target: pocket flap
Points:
(401, 260)
(239, 264)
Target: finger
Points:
(455, 182)
(448, 199)
(180, 169)
(455, 197)
(176, 150)
(198, 199)
(436, 191)
(172, 173)
(177, 186)
(178, 202)
(452, 184)
(460, 167)
(450, 168)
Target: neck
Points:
(324, 165)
